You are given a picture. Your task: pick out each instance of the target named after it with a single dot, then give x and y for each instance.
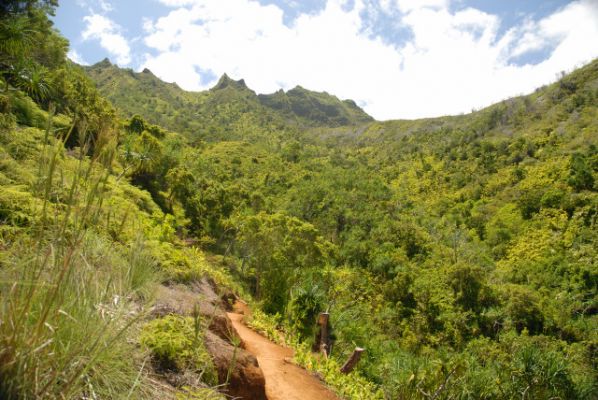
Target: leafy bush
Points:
(580, 173)
(266, 324)
(27, 112)
(305, 305)
(186, 264)
(348, 386)
(176, 343)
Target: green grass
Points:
(68, 291)
(81, 252)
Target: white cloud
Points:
(105, 6)
(455, 60)
(74, 56)
(147, 24)
(410, 5)
(108, 33)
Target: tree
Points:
(136, 124)
(580, 174)
(280, 250)
(15, 7)
(523, 310)
(16, 36)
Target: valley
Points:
(461, 252)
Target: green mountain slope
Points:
(470, 240)
(461, 252)
(320, 109)
(193, 113)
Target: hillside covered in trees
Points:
(461, 252)
(228, 104)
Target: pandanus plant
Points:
(34, 80)
(16, 39)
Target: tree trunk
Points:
(324, 345)
(322, 339)
(352, 361)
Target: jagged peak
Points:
(146, 71)
(226, 81)
(104, 63)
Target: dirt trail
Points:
(284, 381)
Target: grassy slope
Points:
(85, 250)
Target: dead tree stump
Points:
(352, 361)
(324, 337)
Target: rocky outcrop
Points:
(237, 369)
(245, 378)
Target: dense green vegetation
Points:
(461, 252)
(81, 249)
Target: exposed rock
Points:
(207, 288)
(246, 380)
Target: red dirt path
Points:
(284, 381)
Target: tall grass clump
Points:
(67, 291)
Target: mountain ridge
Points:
(297, 107)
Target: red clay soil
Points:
(284, 381)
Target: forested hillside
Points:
(226, 111)
(461, 252)
(469, 240)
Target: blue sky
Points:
(396, 58)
